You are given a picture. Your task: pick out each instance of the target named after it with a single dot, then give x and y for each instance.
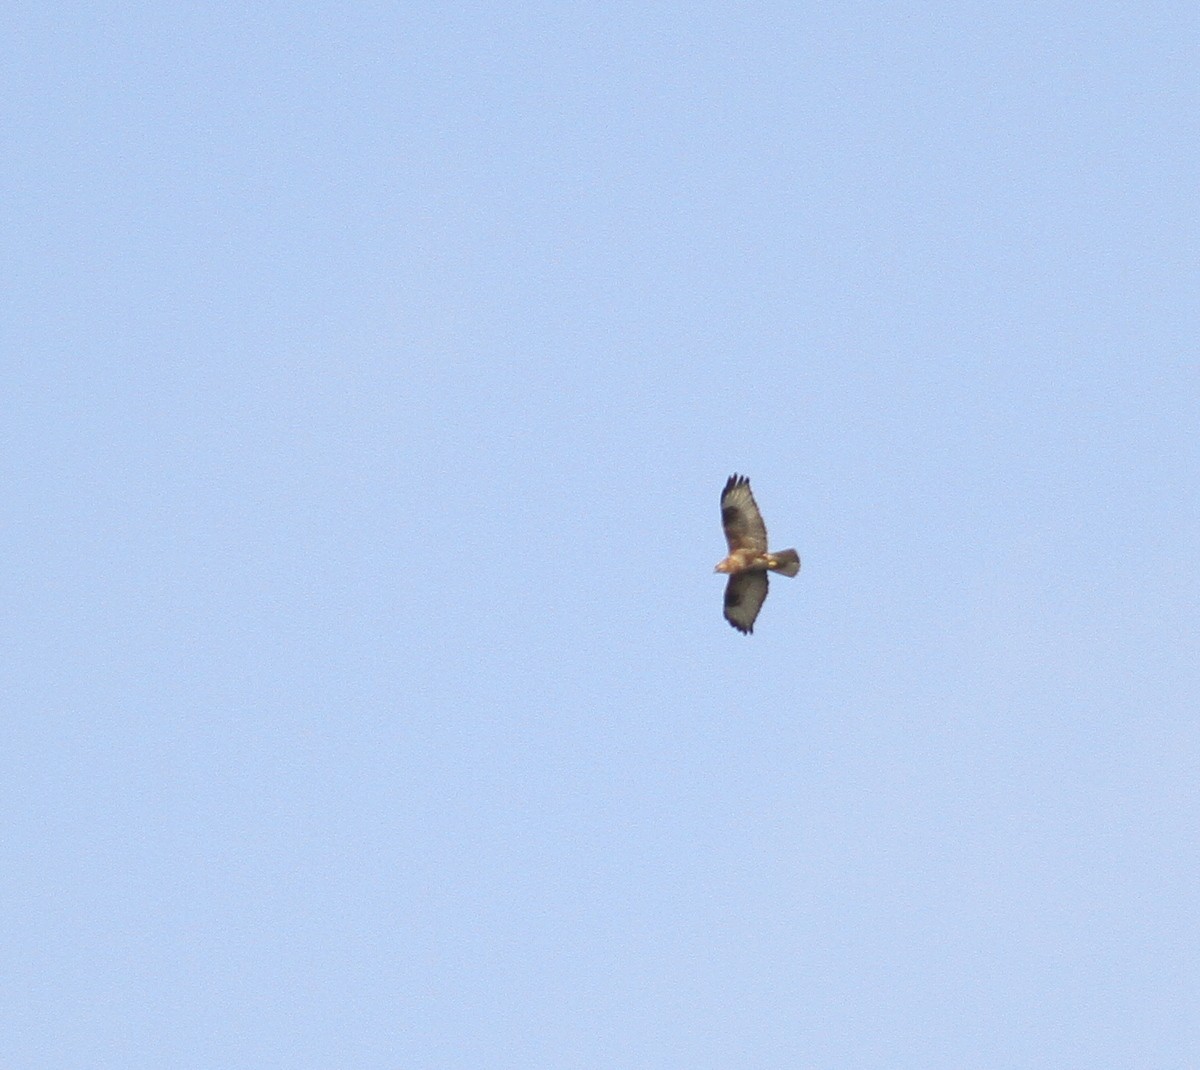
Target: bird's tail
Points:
(787, 562)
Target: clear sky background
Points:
(371, 373)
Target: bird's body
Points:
(749, 560)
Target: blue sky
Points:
(371, 374)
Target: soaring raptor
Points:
(748, 561)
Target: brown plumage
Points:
(749, 560)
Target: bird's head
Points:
(722, 566)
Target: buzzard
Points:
(748, 561)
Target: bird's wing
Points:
(745, 594)
(743, 523)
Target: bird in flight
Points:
(749, 560)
